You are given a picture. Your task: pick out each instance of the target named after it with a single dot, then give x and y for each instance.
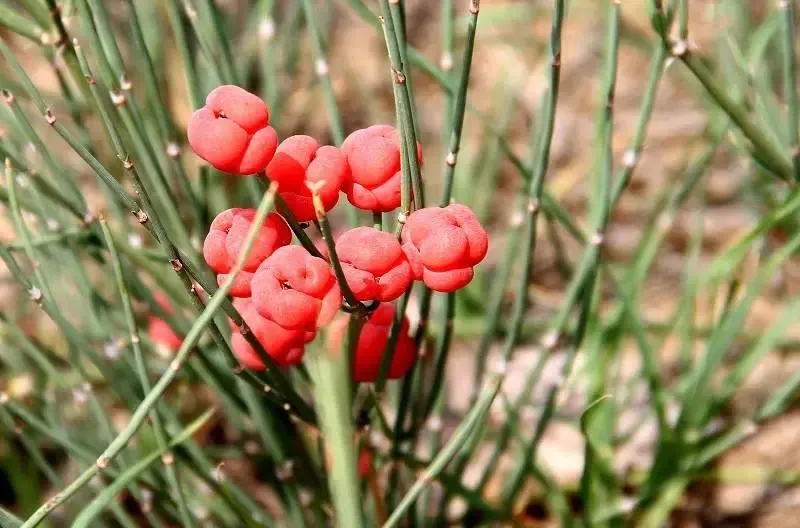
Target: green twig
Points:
(789, 42)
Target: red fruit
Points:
(373, 155)
(372, 342)
(364, 463)
(300, 160)
(241, 284)
(295, 289)
(228, 233)
(232, 131)
(443, 244)
(158, 330)
(374, 264)
(161, 333)
(286, 347)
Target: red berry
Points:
(241, 284)
(374, 264)
(300, 160)
(373, 155)
(161, 333)
(364, 463)
(228, 233)
(372, 342)
(286, 347)
(443, 244)
(158, 330)
(232, 131)
(295, 289)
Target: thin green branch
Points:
(471, 425)
(153, 397)
(412, 176)
(789, 42)
(144, 379)
(763, 148)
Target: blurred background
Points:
(694, 188)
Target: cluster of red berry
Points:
(284, 293)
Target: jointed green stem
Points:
(333, 258)
(789, 41)
(412, 177)
(471, 424)
(582, 285)
(460, 104)
(322, 70)
(144, 379)
(153, 397)
(764, 149)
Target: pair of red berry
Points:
(284, 293)
(232, 133)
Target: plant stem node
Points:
(321, 67)
(102, 462)
(35, 294)
(679, 48)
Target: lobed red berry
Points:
(373, 155)
(372, 342)
(299, 161)
(374, 264)
(285, 346)
(443, 244)
(227, 236)
(232, 131)
(295, 289)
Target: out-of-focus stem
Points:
(789, 41)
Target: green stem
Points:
(789, 42)
(144, 380)
(402, 98)
(333, 258)
(764, 149)
(472, 423)
(153, 397)
(460, 104)
(330, 371)
(321, 68)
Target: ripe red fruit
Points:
(285, 346)
(373, 155)
(159, 331)
(295, 289)
(443, 244)
(300, 160)
(371, 343)
(374, 264)
(232, 131)
(226, 238)
(364, 463)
